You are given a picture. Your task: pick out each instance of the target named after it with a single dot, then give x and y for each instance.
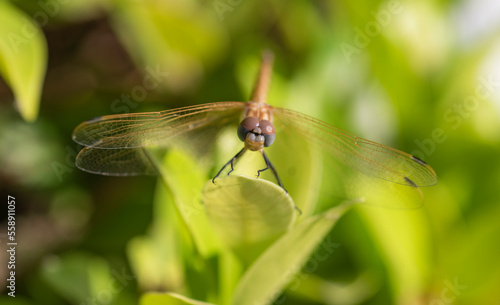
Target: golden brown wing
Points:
(368, 157)
(115, 143)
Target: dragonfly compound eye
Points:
(246, 126)
(268, 131)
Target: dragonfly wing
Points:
(368, 157)
(142, 129)
(116, 143)
(116, 162)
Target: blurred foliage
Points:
(420, 76)
(23, 57)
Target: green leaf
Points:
(248, 214)
(230, 271)
(403, 240)
(163, 248)
(276, 267)
(155, 298)
(182, 229)
(184, 179)
(23, 57)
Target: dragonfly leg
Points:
(235, 159)
(269, 165)
(230, 162)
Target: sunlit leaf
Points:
(185, 179)
(153, 298)
(276, 267)
(230, 270)
(23, 57)
(402, 237)
(248, 214)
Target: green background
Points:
(420, 76)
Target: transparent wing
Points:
(115, 162)
(115, 143)
(368, 157)
(142, 129)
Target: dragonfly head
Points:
(255, 133)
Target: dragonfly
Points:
(114, 144)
